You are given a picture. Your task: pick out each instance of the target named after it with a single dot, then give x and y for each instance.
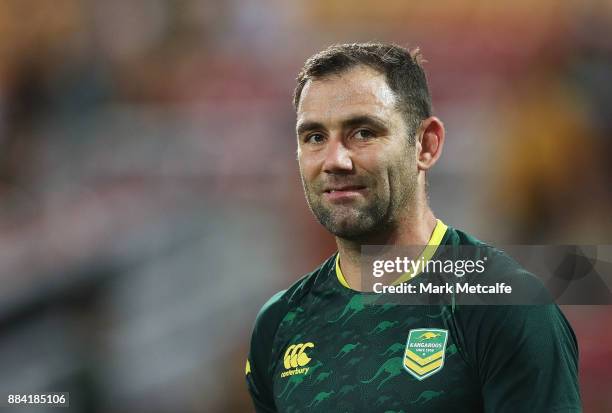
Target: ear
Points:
(429, 142)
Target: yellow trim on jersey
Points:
(422, 370)
(247, 369)
(428, 252)
(424, 360)
(339, 272)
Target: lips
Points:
(345, 188)
(344, 194)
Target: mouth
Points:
(344, 193)
(344, 188)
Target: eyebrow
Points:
(350, 122)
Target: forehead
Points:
(360, 90)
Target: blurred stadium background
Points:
(150, 199)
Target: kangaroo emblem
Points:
(322, 376)
(353, 307)
(386, 307)
(290, 317)
(392, 367)
(381, 400)
(429, 335)
(426, 396)
(353, 362)
(296, 380)
(393, 348)
(346, 389)
(292, 383)
(382, 326)
(320, 397)
(346, 349)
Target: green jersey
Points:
(321, 346)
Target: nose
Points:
(337, 158)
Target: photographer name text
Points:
(448, 288)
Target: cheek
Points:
(404, 182)
(398, 170)
(308, 168)
(373, 162)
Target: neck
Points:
(414, 229)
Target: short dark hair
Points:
(402, 69)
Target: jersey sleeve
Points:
(526, 358)
(259, 367)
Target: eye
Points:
(314, 138)
(364, 134)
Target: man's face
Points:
(357, 166)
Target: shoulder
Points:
(528, 313)
(283, 302)
(260, 361)
(499, 266)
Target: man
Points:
(366, 139)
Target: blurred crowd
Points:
(150, 199)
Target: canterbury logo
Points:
(296, 356)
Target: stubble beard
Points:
(350, 222)
(360, 223)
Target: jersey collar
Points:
(430, 249)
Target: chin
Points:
(346, 222)
(352, 228)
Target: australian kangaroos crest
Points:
(425, 349)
